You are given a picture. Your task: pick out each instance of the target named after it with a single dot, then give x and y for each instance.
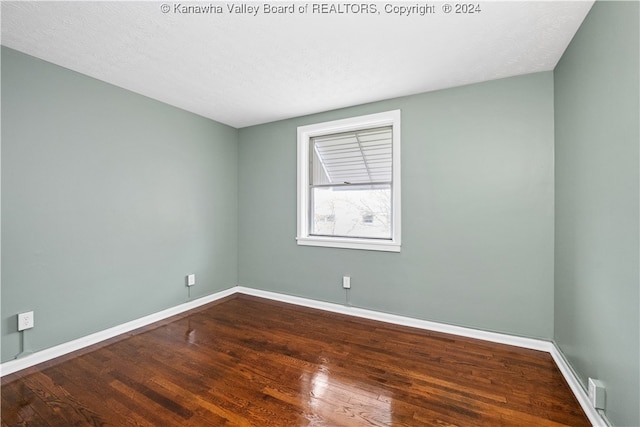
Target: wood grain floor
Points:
(252, 362)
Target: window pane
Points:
(353, 211)
(357, 157)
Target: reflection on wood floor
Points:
(245, 361)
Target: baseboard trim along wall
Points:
(530, 343)
(60, 350)
(577, 387)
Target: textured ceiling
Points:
(243, 69)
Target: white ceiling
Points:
(243, 70)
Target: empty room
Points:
(320, 213)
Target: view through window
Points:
(349, 183)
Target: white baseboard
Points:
(530, 343)
(534, 344)
(60, 350)
(577, 388)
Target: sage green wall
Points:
(477, 212)
(108, 200)
(597, 198)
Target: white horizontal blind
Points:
(355, 157)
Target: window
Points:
(349, 183)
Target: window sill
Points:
(344, 243)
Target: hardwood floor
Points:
(252, 362)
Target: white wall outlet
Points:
(25, 321)
(191, 279)
(596, 393)
(346, 282)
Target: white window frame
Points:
(305, 133)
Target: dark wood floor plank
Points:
(252, 362)
(20, 403)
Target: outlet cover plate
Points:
(25, 321)
(191, 279)
(597, 393)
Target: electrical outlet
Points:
(191, 279)
(25, 321)
(596, 393)
(346, 282)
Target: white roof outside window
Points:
(355, 157)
